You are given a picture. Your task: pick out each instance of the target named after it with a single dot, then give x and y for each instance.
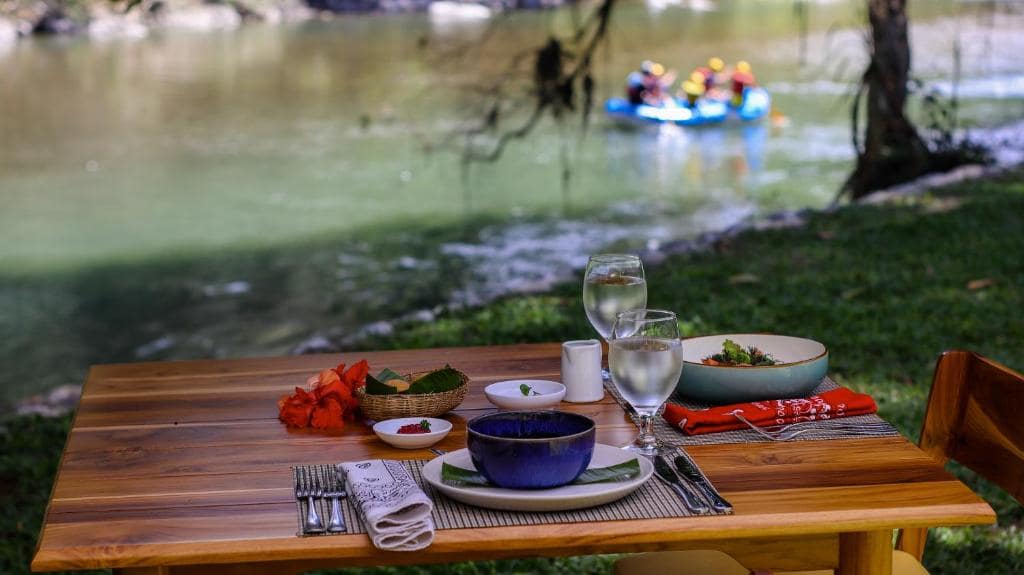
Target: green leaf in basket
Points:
(438, 381)
(459, 477)
(375, 386)
(387, 374)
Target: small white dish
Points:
(554, 499)
(388, 431)
(509, 394)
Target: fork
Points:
(335, 492)
(307, 488)
(787, 432)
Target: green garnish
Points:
(526, 390)
(734, 354)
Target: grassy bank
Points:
(887, 288)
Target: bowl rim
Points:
(548, 396)
(469, 426)
(776, 366)
(382, 432)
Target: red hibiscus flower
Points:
(330, 401)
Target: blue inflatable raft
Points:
(756, 104)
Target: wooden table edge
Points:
(451, 544)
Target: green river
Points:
(241, 192)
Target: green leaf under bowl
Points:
(460, 477)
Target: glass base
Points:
(648, 449)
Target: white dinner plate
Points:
(554, 499)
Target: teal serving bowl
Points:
(803, 364)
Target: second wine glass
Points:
(645, 356)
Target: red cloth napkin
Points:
(832, 404)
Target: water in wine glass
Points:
(604, 297)
(645, 369)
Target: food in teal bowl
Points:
(785, 367)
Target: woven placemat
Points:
(653, 500)
(826, 429)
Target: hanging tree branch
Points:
(561, 82)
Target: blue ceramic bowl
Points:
(530, 449)
(804, 363)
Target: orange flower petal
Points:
(356, 375)
(328, 415)
(328, 376)
(296, 415)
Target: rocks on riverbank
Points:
(102, 19)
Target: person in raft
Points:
(742, 78)
(649, 85)
(714, 76)
(692, 89)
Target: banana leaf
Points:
(461, 477)
(439, 381)
(375, 386)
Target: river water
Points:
(335, 138)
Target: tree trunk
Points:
(892, 150)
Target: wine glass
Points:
(613, 283)
(645, 356)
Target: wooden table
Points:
(183, 468)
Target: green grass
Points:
(885, 287)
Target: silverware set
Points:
(690, 484)
(787, 432)
(664, 472)
(324, 483)
(690, 471)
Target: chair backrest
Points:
(974, 416)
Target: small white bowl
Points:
(508, 395)
(388, 431)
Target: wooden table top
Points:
(185, 463)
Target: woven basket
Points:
(381, 407)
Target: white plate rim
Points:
(561, 498)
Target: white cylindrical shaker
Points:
(581, 371)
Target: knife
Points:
(689, 470)
(665, 473)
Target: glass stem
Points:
(646, 424)
(606, 375)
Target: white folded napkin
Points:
(394, 509)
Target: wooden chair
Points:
(973, 417)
